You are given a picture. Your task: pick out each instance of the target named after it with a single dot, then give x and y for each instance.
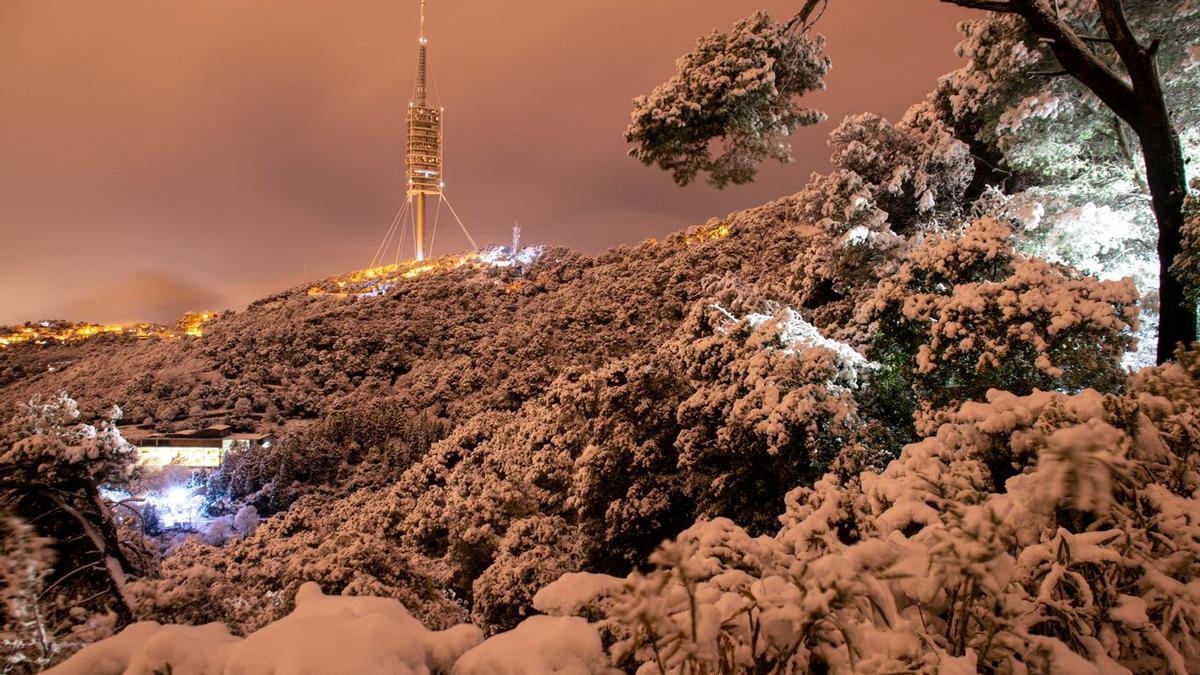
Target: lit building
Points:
(195, 448)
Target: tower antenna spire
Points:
(422, 47)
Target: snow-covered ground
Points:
(332, 635)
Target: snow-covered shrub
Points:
(1036, 533)
(627, 489)
(888, 179)
(1096, 240)
(829, 279)
(360, 446)
(246, 520)
(219, 531)
(888, 182)
(48, 436)
(539, 644)
(152, 524)
(772, 404)
(327, 635)
(27, 642)
(739, 88)
(195, 594)
(967, 313)
(722, 419)
(533, 552)
(1187, 265)
(344, 545)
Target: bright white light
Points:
(177, 496)
(178, 506)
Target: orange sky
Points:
(157, 157)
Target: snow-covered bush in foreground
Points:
(540, 644)
(1039, 533)
(324, 634)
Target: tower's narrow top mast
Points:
(422, 42)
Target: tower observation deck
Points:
(423, 167)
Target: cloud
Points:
(151, 295)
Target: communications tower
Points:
(423, 169)
(424, 156)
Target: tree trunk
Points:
(1165, 175)
(1145, 110)
(102, 532)
(116, 562)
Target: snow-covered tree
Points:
(51, 469)
(772, 404)
(914, 174)
(737, 91)
(246, 520)
(1101, 154)
(1073, 169)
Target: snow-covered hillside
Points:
(862, 428)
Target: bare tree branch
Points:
(1002, 6)
(1112, 13)
(805, 18)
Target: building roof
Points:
(214, 436)
(214, 431)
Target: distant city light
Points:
(46, 332)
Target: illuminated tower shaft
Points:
(424, 156)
